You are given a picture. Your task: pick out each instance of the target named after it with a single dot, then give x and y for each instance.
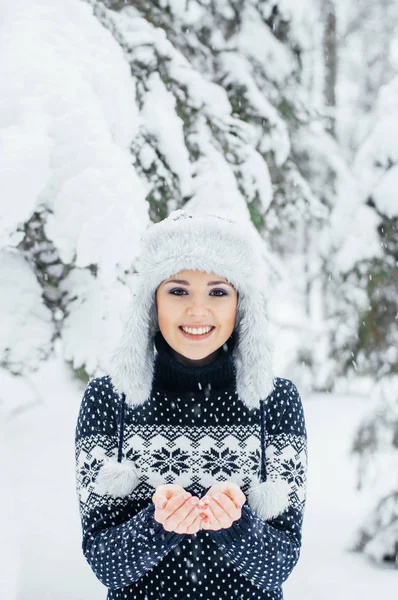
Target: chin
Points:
(196, 355)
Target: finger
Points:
(224, 511)
(207, 524)
(212, 523)
(166, 491)
(194, 519)
(224, 502)
(159, 501)
(211, 518)
(195, 525)
(160, 498)
(189, 524)
(240, 500)
(175, 520)
(236, 496)
(175, 501)
(171, 505)
(230, 489)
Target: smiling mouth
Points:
(196, 336)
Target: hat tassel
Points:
(269, 498)
(117, 477)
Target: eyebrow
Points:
(184, 282)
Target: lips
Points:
(192, 336)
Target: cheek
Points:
(234, 311)
(227, 313)
(166, 310)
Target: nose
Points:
(198, 308)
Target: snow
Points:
(334, 509)
(385, 193)
(378, 155)
(81, 332)
(239, 71)
(64, 132)
(167, 128)
(350, 232)
(64, 143)
(209, 175)
(9, 519)
(40, 477)
(190, 12)
(256, 41)
(40, 486)
(202, 93)
(379, 458)
(26, 323)
(81, 133)
(215, 187)
(256, 179)
(24, 171)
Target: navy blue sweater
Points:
(194, 431)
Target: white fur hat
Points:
(209, 243)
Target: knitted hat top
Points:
(209, 243)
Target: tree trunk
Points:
(330, 61)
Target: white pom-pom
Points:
(116, 479)
(269, 498)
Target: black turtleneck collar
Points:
(172, 376)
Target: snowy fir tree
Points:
(368, 305)
(373, 343)
(203, 107)
(376, 445)
(367, 32)
(248, 120)
(353, 246)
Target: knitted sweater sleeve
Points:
(119, 543)
(266, 551)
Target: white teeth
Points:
(196, 331)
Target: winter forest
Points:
(282, 113)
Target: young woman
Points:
(191, 458)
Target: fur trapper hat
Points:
(209, 243)
(213, 244)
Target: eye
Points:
(218, 292)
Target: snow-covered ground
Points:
(327, 570)
(39, 512)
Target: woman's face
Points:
(194, 299)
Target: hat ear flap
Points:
(254, 378)
(133, 360)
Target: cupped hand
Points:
(222, 505)
(176, 509)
